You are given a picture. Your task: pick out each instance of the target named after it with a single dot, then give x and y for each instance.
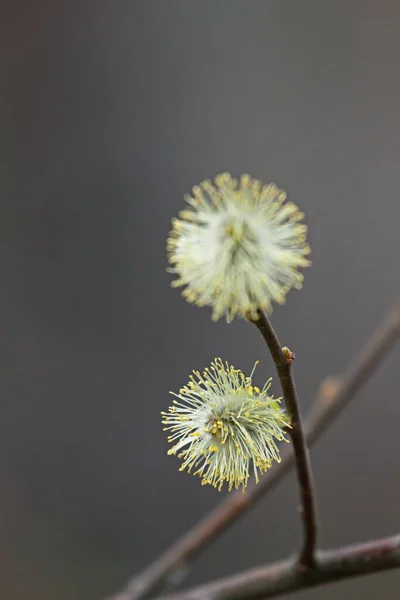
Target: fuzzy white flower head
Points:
(239, 247)
(223, 427)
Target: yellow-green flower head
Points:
(223, 428)
(239, 247)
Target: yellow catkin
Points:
(224, 428)
(238, 247)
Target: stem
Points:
(302, 459)
(284, 577)
(329, 403)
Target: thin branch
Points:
(283, 362)
(334, 395)
(284, 577)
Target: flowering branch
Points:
(283, 361)
(284, 577)
(334, 395)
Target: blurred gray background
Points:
(110, 112)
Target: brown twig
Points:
(283, 361)
(284, 577)
(333, 397)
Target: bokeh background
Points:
(110, 112)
